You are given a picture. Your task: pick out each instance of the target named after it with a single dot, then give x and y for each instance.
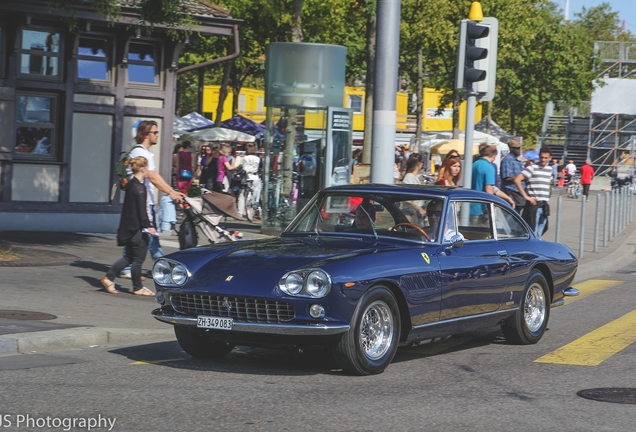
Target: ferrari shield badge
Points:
(426, 257)
(229, 278)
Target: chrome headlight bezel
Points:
(166, 272)
(316, 283)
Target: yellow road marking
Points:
(145, 362)
(590, 287)
(598, 345)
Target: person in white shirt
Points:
(147, 136)
(251, 164)
(570, 170)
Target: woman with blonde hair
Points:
(451, 172)
(225, 168)
(135, 229)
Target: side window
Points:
(36, 116)
(355, 103)
(143, 63)
(93, 58)
(508, 227)
(40, 54)
(474, 220)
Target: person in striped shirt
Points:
(538, 178)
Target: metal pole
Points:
(620, 209)
(606, 219)
(467, 171)
(582, 230)
(557, 231)
(596, 221)
(612, 205)
(386, 79)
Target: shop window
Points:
(36, 126)
(93, 58)
(40, 54)
(355, 103)
(143, 63)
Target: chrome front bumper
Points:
(274, 329)
(568, 292)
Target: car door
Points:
(474, 276)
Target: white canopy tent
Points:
(216, 134)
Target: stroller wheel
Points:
(187, 234)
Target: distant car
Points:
(360, 272)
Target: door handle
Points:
(502, 253)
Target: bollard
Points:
(596, 221)
(611, 220)
(557, 230)
(582, 230)
(622, 219)
(606, 220)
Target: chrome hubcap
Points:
(535, 307)
(376, 330)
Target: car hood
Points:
(281, 253)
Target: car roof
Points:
(450, 192)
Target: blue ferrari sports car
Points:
(364, 269)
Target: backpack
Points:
(121, 168)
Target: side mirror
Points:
(457, 241)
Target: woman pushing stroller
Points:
(134, 231)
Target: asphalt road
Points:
(472, 382)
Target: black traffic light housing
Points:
(469, 52)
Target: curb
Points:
(624, 254)
(79, 337)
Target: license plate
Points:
(215, 322)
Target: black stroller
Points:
(206, 212)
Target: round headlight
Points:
(161, 272)
(317, 284)
(293, 284)
(179, 275)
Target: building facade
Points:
(68, 103)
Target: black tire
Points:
(249, 206)
(187, 233)
(361, 353)
(529, 322)
(199, 345)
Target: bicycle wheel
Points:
(249, 205)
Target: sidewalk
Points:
(82, 314)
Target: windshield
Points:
(410, 217)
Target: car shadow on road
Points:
(241, 360)
(461, 342)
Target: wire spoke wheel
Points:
(376, 330)
(535, 307)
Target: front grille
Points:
(240, 309)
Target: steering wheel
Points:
(415, 227)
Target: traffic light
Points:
(477, 57)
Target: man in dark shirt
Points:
(511, 167)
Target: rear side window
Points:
(508, 226)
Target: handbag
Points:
(185, 174)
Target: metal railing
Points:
(618, 212)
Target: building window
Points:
(36, 121)
(93, 59)
(142, 63)
(40, 54)
(355, 102)
(242, 103)
(259, 104)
